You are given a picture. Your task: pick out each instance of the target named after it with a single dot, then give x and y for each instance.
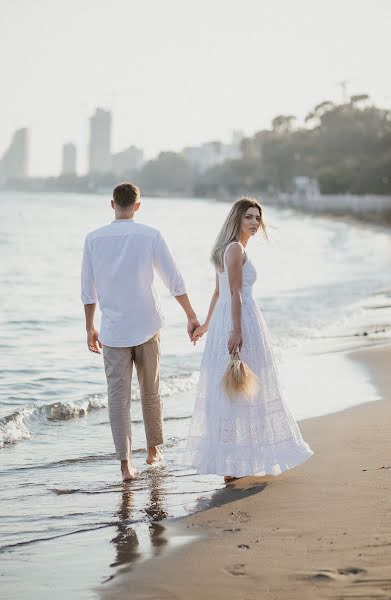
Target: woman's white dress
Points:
(241, 436)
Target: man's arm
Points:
(192, 321)
(165, 265)
(88, 297)
(93, 341)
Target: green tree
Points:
(346, 147)
(168, 173)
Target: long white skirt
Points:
(241, 437)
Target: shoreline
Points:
(369, 209)
(297, 536)
(365, 208)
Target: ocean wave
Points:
(13, 427)
(16, 426)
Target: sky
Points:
(176, 73)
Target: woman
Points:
(239, 436)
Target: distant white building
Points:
(100, 142)
(68, 159)
(14, 163)
(128, 160)
(202, 158)
(233, 151)
(306, 186)
(208, 155)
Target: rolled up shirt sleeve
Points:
(165, 265)
(88, 291)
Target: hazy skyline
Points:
(178, 72)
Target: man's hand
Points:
(192, 324)
(198, 333)
(192, 321)
(93, 341)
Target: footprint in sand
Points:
(238, 569)
(240, 515)
(336, 574)
(357, 586)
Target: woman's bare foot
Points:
(128, 472)
(154, 455)
(228, 479)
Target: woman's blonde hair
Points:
(230, 231)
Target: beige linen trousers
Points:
(118, 367)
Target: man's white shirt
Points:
(119, 263)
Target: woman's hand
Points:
(235, 342)
(198, 333)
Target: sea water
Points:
(66, 520)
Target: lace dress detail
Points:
(241, 437)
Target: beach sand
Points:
(322, 530)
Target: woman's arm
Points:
(199, 332)
(235, 269)
(213, 302)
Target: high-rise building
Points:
(128, 160)
(14, 164)
(68, 159)
(100, 142)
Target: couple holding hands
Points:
(230, 435)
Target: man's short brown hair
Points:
(126, 194)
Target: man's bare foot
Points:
(128, 472)
(154, 455)
(228, 479)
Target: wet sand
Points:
(322, 530)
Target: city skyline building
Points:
(128, 160)
(233, 151)
(14, 163)
(99, 150)
(204, 157)
(69, 155)
(210, 154)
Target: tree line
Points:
(345, 147)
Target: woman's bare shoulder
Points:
(234, 254)
(235, 249)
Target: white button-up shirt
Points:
(119, 262)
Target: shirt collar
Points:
(123, 220)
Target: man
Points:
(119, 261)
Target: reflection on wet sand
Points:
(127, 545)
(126, 541)
(139, 539)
